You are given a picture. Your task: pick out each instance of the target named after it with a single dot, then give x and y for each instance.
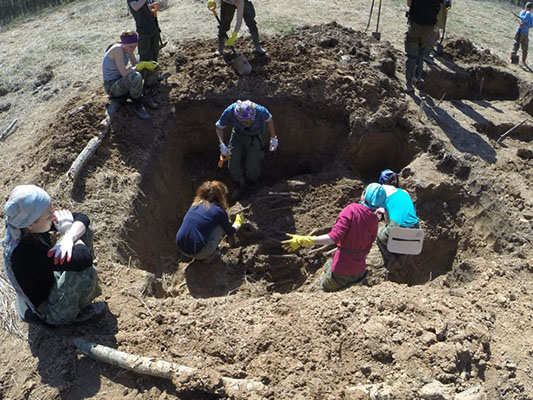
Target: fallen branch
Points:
(187, 376)
(5, 133)
(509, 131)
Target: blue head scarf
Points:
(375, 196)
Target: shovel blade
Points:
(241, 65)
(376, 35)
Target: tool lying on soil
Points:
(510, 131)
(238, 62)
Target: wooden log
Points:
(163, 369)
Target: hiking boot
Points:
(93, 310)
(418, 82)
(259, 50)
(139, 109)
(409, 88)
(150, 103)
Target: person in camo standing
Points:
(422, 17)
(249, 121)
(121, 79)
(245, 9)
(144, 12)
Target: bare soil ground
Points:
(452, 323)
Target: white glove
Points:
(224, 150)
(273, 143)
(62, 250)
(63, 220)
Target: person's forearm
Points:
(323, 239)
(270, 127)
(76, 231)
(136, 5)
(220, 134)
(240, 13)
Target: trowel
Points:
(238, 62)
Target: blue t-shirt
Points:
(527, 22)
(401, 209)
(261, 116)
(198, 224)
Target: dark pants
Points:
(148, 48)
(226, 16)
(247, 149)
(417, 39)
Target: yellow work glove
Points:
(149, 65)
(239, 219)
(231, 40)
(211, 4)
(297, 241)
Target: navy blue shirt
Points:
(198, 224)
(228, 117)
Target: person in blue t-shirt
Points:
(521, 38)
(399, 211)
(206, 221)
(249, 121)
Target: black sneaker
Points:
(140, 111)
(93, 310)
(150, 103)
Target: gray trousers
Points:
(131, 84)
(417, 38)
(210, 247)
(226, 16)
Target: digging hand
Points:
(231, 41)
(224, 150)
(149, 65)
(239, 219)
(63, 220)
(211, 5)
(273, 144)
(62, 250)
(296, 241)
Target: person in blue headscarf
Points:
(54, 284)
(399, 211)
(354, 233)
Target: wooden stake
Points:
(509, 131)
(164, 369)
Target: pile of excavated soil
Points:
(453, 322)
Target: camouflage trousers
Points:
(131, 84)
(72, 291)
(520, 40)
(331, 282)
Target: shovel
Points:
(377, 35)
(238, 62)
(439, 49)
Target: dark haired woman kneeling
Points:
(206, 221)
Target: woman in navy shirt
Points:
(206, 221)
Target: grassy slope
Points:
(71, 39)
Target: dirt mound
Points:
(435, 326)
(463, 50)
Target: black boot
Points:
(150, 102)
(257, 44)
(139, 109)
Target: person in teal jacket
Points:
(399, 211)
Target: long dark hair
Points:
(212, 192)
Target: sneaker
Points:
(93, 310)
(418, 81)
(150, 103)
(219, 53)
(163, 77)
(140, 111)
(409, 88)
(260, 51)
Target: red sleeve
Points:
(342, 225)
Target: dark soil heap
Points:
(437, 326)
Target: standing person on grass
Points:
(249, 121)
(399, 212)
(422, 17)
(245, 9)
(354, 233)
(205, 223)
(144, 12)
(521, 38)
(55, 285)
(121, 79)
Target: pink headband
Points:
(130, 39)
